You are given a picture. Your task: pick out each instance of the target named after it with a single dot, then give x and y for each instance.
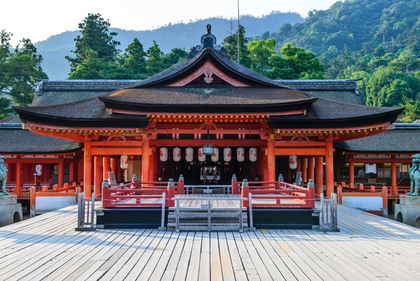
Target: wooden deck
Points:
(367, 248)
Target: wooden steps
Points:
(196, 219)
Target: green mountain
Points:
(182, 35)
(357, 24)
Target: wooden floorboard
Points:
(368, 247)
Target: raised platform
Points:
(369, 247)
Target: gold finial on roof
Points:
(208, 28)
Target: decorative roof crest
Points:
(208, 40)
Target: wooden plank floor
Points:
(368, 247)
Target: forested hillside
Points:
(179, 35)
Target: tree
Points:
(176, 55)
(154, 61)
(387, 87)
(230, 43)
(18, 70)
(95, 37)
(295, 63)
(261, 51)
(134, 60)
(411, 112)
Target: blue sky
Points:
(40, 19)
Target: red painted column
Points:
(271, 161)
(151, 167)
(299, 165)
(60, 171)
(97, 182)
(119, 170)
(265, 165)
(18, 190)
(311, 170)
(351, 170)
(71, 171)
(114, 165)
(145, 159)
(394, 190)
(305, 170)
(319, 178)
(87, 178)
(329, 168)
(106, 167)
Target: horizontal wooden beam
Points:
(116, 151)
(300, 151)
(197, 143)
(300, 144)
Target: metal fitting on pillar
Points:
(281, 177)
(233, 177)
(134, 177)
(105, 183)
(245, 183)
(181, 177)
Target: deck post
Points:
(319, 179)
(235, 188)
(385, 201)
(18, 189)
(304, 170)
(245, 193)
(60, 171)
(181, 185)
(394, 190)
(145, 158)
(271, 161)
(87, 187)
(97, 176)
(32, 211)
(106, 194)
(311, 195)
(351, 170)
(329, 168)
(340, 194)
(171, 193)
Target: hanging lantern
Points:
(253, 154)
(163, 154)
(293, 162)
(208, 149)
(189, 154)
(240, 154)
(38, 169)
(201, 156)
(227, 154)
(123, 162)
(177, 154)
(215, 155)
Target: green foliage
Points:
(260, 52)
(155, 58)
(95, 37)
(411, 112)
(134, 60)
(296, 63)
(387, 87)
(176, 55)
(18, 70)
(231, 45)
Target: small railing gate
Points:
(328, 216)
(86, 213)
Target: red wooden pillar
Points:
(151, 166)
(145, 159)
(394, 190)
(319, 179)
(311, 168)
(87, 178)
(60, 171)
(71, 171)
(271, 161)
(97, 176)
(81, 169)
(305, 170)
(114, 164)
(351, 170)
(265, 165)
(18, 190)
(329, 169)
(106, 167)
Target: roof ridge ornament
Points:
(208, 40)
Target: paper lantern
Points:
(293, 162)
(177, 154)
(227, 154)
(240, 154)
(163, 154)
(124, 162)
(201, 156)
(189, 154)
(215, 155)
(38, 169)
(253, 154)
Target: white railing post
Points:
(251, 217)
(162, 222)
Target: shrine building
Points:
(166, 125)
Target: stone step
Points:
(188, 215)
(202, 227)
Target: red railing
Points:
(367, 192)
(26, 188)
(281, 192)
(132, 194)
